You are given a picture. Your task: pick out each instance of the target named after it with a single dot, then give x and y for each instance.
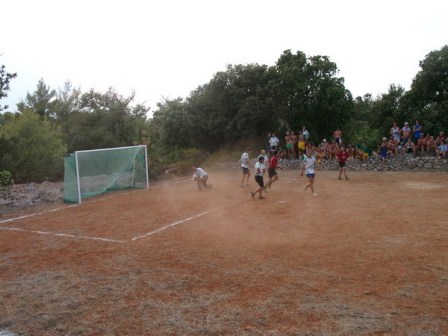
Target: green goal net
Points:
(93, 172)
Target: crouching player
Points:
(200, 177)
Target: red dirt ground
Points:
(368, 256)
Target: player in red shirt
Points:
(273, 164)
(342, 156)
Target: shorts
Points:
(289, 146)
(259, 180)
(310, 175)
(271, 172)
(245, 170)
(342, 164)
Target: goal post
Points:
(90, 173)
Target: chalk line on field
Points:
(173, 224)
(34, 214)
(108, 240)
(189, 180)
(49, 233)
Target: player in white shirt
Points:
(245, 164)
(273, 143)
(308, 166)
(200, 177)
(259, 172)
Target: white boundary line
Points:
(63, 235)
(172, 224)
(35, 214)
(184, 181)
(49, 233)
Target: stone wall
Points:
(406, 162)
(399, 163)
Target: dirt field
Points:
(368, 256)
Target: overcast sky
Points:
(167, 48)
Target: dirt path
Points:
(368, 256)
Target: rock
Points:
(22, 196)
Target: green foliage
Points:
(310, 94)
(5, 79)
(251, 100)
(235, 103)
(35, 151)
(192, 155)
(103, 120)
(427, 100)
(172, 126)
(178, 160)
(66, 102)
(5, 178)
(359, 134)
(386, 109)
(238, 106)
(41, 101)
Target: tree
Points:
(5, 79)
(35, 150)
(386, 109)
(290, 89)
(311, 94)
(41, 101)
(173, 126)
(256, 106)
(105, 120)
(427, 100)
(235, 103)
(67, 100)
(363, 107)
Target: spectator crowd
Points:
(400, 141)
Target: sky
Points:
(166, 49)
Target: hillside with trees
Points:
(241, 104)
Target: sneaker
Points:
(252, 194)
(265, 189)
(340, 178)
(315, 194)
(262, 197)
(346, 178)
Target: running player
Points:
(272, 174)
(308, 165)
(259, 172)
(342, 159)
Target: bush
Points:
(178, 161)
(5, 178)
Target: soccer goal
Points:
(93, 172)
